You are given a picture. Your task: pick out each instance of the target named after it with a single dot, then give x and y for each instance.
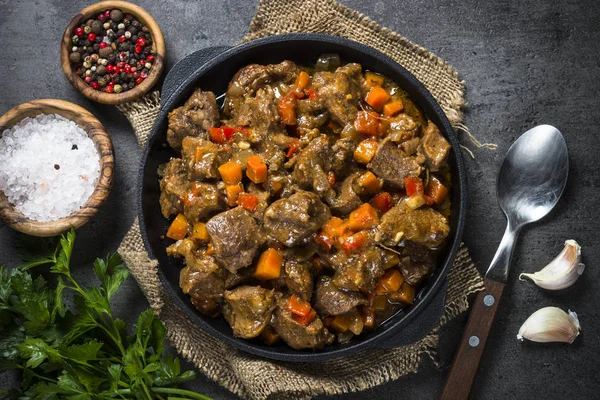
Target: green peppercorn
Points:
(118, 88)
(87, 29)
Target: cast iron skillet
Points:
(211, 69)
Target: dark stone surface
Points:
(524, 63)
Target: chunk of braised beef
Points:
(173, 186)
(202, 158)
(202, 278)
(312, 164)
(312, 336)
(199, 113)
(248, 310)
(347, 198)
(393, 166)
(241, 277)
(235, 238)
(424, 225)
(434, 147)
(311, 113)
(204, 202)
(342, 163)
(297, 277)
(259, 113)
(341, 92)
(361, 271)
(331, 300)
(292, 221)
(417, 263)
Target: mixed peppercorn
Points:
(112, 53)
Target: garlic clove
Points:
(562, 272)
(550, 324)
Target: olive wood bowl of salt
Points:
(100, 189)
(122, 8)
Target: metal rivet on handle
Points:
(489, 300)
(473, 341)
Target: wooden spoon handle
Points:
(460, 379)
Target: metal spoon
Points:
(530, 182)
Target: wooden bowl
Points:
(158, 45)
(103, 144)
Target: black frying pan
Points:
(211, 69)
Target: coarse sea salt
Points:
(48, 167)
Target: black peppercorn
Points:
(97, 27)
(116, 15)
(75, 57)
(133, 30)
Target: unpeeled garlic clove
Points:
(550, 324)
(562, 272)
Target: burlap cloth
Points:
(256, 378)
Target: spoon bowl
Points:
(533, 175)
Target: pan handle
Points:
(186, 67)
(421, 324)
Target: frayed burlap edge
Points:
(256, 378)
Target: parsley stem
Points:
(181, 392)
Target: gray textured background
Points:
(525, 62)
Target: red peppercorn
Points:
(141, 42)
(135, 75)
(109, 68)
(138, 49)
(102, 45)
(79, 31)
(127, 68)
(120, 64)
(108, 89)
(116, 70)
(101, 17)
(143, 75)
(95, 85)
(150, 58)
(88, 79)
(139, 80)
(128, 16)
(133, 69)
(91, 37)
(111, 83)
(122, 38)
(107, 13)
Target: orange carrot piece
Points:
(377, 97)
(269, 265)
(364, 217)
(305, 320)
(369, 182)
(287, 109)
(373, 79)
(365, 151)
(367, 123)
(210, 250)
(393, 107)
(199, 232)
(248, 201)
(298, 306)
(390, 282)
(302, 80)
(256, 169)
(178, 228)
(355, 242)
(294, 147)
(436, 190)
(406, 294)
(331, 178)
(231, 173)
(232, 192)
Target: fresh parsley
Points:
(84, 353)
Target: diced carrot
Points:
(379, 302)
(355, 242)
(383, 202)
(364, 217)
(269, 336)
(287, 109)
(294, 147)
(369, 182)
(248, 201)
(340, 323)
(256, 169)
(365, 151)
(390, 282)
(210, 250)
(225, 133)
(178, 228)
(298, 306)
(436, 190)
(413, 185)
(393, 107)
(331, 178)
(305, 320)
(312, 94)
(367, 123)
(335, 227)
(302, 80)
(406, 294)
(373, 79)
(231, 173)
(199, 232)
(232, 192)
(269, 265)
(377, 97)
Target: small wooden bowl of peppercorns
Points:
(113, 52)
